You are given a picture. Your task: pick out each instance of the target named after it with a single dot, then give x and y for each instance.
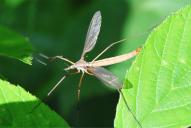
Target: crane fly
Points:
(95, 66)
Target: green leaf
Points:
(161, 78)
(143, 16)
(16, 107)
(15, 46)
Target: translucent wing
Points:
(92, 34)
(106, 77)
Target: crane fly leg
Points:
(107, 48)
(55, 57)
(79, 86)
(62, 58)
(38, 104)
(58, 83)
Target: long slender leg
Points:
(108, 47)
(79, 85)
(62, 58)
(78, 98)
(56, 57)
(58, 83)
(117, 42)
(125, 101)
(39, 103)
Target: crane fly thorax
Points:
(80, 65)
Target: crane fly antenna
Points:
(125, 101)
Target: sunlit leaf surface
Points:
(161, 77)
(16, 108)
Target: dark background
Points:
(58, 27)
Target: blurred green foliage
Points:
(13, 3)
(15, 46)
(58, 28)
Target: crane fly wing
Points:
(92, 34)
(106, 77)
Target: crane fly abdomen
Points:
(115, 59)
